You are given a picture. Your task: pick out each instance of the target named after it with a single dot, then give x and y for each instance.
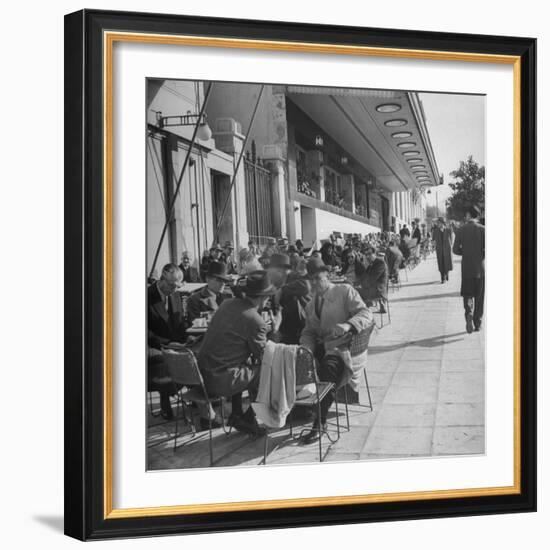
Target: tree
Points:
(468, 189)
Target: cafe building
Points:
(318, 161)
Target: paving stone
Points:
(462, 387)
(406, 416)
(459, 440)
(399, 441)
(421, 379)
(460, 414)
(411, 395)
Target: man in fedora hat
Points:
(470, 244)
(231, 352)
(208, 298)
(334, 312)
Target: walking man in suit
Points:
(470, 244)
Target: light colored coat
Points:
(277, 386)
(342, 304)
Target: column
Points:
(229, 140)
(276, 164)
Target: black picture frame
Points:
(85, 516)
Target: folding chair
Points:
(307, 374)
(184, 369)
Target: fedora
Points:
(279, 260)
(218, 270)
(257, 284)
(316, 265)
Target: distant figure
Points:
(404, 232)
(190, 273)
(443, 238)
(470, 244)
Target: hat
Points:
(282, 241)
(316, 265)
(228, 244)
(271, 240)
(217, 247)
(257, 284)
(441, 219)
(218, 270)
(279, 260)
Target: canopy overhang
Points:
(384, 131)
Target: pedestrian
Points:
(470, 244)
(443, 237)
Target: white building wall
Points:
(327, 222)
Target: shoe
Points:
(477, 327)
(205, 425)
(314, 434)
(246, 423)
(469, 324)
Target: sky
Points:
(456, 124)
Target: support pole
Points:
(170, 210)
(222, 214)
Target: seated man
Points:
(208, 299)
(374, 282)
(165, 324)
(333, 312)
(190, 273)
(237, 334)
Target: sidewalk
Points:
(427, 384)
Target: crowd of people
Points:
(284, 292)
(319, 298)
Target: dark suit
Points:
(294, 297)
(404, 232)
(470, 244)
(191, 274)
(374, 282)
(236, 333)
(165, 323)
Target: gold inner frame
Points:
(109, 39)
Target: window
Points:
(304, 183)
(333, 189)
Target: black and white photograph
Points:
(315, 274)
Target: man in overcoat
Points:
(470, 244)
(443, 238)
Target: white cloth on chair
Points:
(277, 386)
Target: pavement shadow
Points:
(424, 343)
(426, 297)
(408, 285)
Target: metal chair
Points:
(306, 373)
(358, 344)
(184, 369)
